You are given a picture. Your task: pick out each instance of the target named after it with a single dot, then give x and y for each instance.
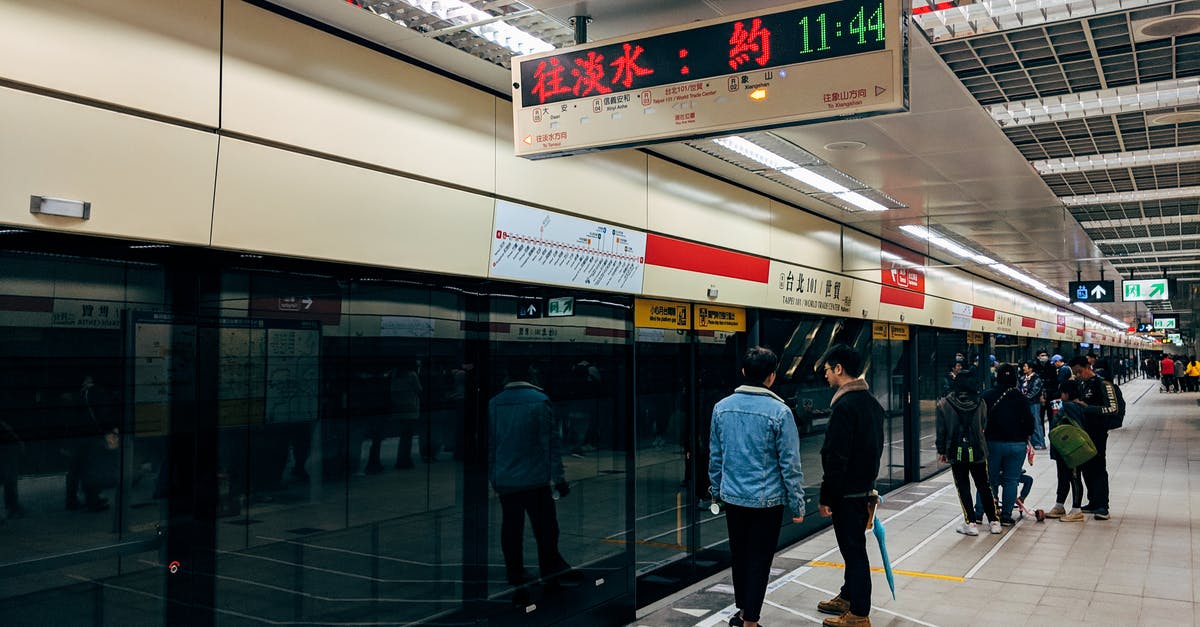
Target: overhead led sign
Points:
(804, 62)
(1091, 291)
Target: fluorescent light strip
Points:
(1139, 222)
(1113, 160)
(1138, 196)
(1150, 239)
(1000, 15)
(1088, 308)
(499, 33)
(944, 243)
(1142, 97)
(1112, 319)
(754, 152)
(1156, 264)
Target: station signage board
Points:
(662, 314)
(1145, 289)
(1163, 323)
(1091, 292)
(714, 318)
(806, 62)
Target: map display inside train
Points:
(800, 35)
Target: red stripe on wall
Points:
(602, 332)
(26, 303)
(983, 313)
(889, 295)
(680, 255)
(1029, 323)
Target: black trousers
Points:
(1095, 472)
(849, 525)
(753, 538)
(539, 505)
(963, 474)
(1068, 481)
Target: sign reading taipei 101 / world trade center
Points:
(802, 63)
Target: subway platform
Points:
(1141, 567)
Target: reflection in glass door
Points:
(887, 377)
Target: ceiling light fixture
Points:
(1148, 239)
(941, 24)
(1141, 97)
(1088, 308)
(1169, 193)
(1140, 222)
(1110, 161)
(500, 33)
(935, 238)
(772, 161)
(1156, 264)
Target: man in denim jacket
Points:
(754, 467)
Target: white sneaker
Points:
(968, 529)
(995, 526)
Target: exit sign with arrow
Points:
(1091, 292)
(1145, 289)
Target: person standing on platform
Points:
(1099, 406)
(961, 417)
(1032, 388)
(1009, 427)
(850, 458)
(1049, 373)
(1068, 478)
(1168, 374)
(754, 469)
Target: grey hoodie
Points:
(956, 411)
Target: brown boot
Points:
(849, 619)
(837, 605)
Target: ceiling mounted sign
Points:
(805, 62)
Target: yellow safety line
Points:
(909, 573)
(661, 545)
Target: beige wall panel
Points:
(948, 283)
(693, 206)
(606, 186)
(293, 84)
(866, 300)
(860, 255)
(800, 237)
(162, 190)
(160, 56)
(939, 312)
(280, 202)
(992, 296)
(660, 282)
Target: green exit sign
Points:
(1145, 289)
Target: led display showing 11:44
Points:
(811, 33)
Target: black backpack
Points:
(1114, 421)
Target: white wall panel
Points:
(662, 282)
(160, 56)
(145, 179)
(607, 186)
(275, 201)
(293, 84)
(686, 204)
(801, 237)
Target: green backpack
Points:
(1072, 443)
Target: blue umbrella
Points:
(881, 538)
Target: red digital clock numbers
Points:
(744, 42)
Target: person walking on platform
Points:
(1032, 388)
(1168, 374)
(961, 417)
(1009, 427)
(1068, 478)
(1193, 375)
(754, 469)
(850, 458)
(1099, 405)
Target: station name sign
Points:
(805, 62)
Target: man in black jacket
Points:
(850, 459)
(1099, 405)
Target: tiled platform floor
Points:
(1141, 567)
